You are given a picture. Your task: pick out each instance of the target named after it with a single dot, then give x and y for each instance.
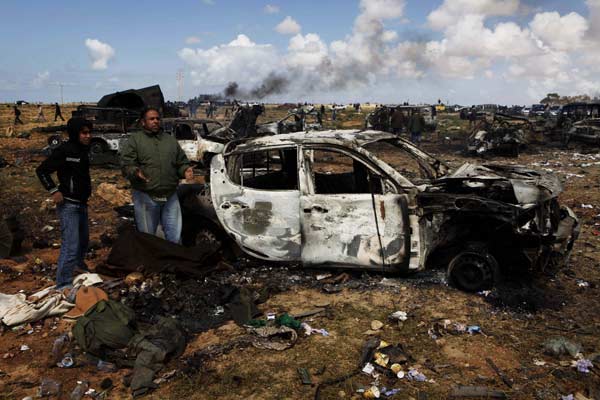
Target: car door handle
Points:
(317, 209)
(226, 205)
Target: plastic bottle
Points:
(106, 366)
(79, 391)
(50, 387)
(59, 346)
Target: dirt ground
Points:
(515, 321)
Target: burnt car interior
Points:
(337, 173)
(267, 169)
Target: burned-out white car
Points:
(369, 200)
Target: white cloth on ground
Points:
(16, 309)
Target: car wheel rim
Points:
(472, 271)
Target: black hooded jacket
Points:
(71, 163)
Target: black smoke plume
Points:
(273, 84)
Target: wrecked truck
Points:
(373, 201)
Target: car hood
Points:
(529, 186)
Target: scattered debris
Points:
(560, 345)
(476, 391)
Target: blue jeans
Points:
(75, 237)
(148, 214)
(415, 137)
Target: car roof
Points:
(352, 137)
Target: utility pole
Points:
(60, 85)
(179, 84)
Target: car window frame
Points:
(228, 167)
(369, 164)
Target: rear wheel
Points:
(98, 147)
(207, 237)
(473, 269)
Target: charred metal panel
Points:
(341, 229)
(265, 223)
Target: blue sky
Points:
(370, 50)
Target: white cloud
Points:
(389, 36)
(209, 2)
(288, 26)
(451, 11)
(240, 60)
(562, 33)
(41, 79)
(100, 53)
(306, 51)
(192, 40)
(271, 9)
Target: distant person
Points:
(71, 163)
(17, 115)
(192, 109)
(57, 112)
(154, 163)
(398, 121)
(40, 114)
(333, 113)
(472, 117)
(322, 110)
(416, 126)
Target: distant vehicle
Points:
(21, 102)
(586, 131)
(554, 110)
(380, 118)
(537, 110)
(297, 120)
(526, 110)
(339, 107)
(504, 134)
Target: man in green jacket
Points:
(154, 163)
(416, 126)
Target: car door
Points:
(256, 198)
(350, 215)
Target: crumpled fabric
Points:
(17, 309)
(151, 348)
(274, 338)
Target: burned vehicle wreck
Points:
(585, 131)
(504, 135)
(297, 120)
(370, 200)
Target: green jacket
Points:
(416, 123)
(160, 158)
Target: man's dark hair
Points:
(146, 110)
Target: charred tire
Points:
(207, 237)
(98, 147)
(473, 270)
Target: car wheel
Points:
(98, 147)
(207, 237)
(473, 270)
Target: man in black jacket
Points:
(71, 163)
